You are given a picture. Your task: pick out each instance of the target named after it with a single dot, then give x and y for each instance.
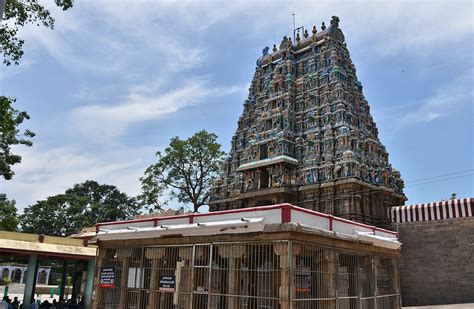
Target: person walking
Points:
(34, 305)
(16, 303)
(4, 303)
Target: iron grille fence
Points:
(251, 275)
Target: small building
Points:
(16, 273)
(38, 247)
(278, 256)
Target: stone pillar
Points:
(62, 288)
(48, 272)
(359, 271)
(100, 291)
(10, 273)
(124, 255)
(155, 255)
(352, 208)
(330, 260)
(365, 279)
(317, 197)
(366, 206)
(36, 278)
(30, 279)
(281, 249)
(394, 282)
(376, 288)
(75, 279)
(233, 283)
(89, 284)
(186, 281)
(258, 172)
(354, 288)
(373, 208)
(22, 275)
(233, 254)
(269, 178)
(331, 203)
(287, 283)
(358, 206)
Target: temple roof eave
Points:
(268, 161)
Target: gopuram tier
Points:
(306, 136)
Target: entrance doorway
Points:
(263, 151)
(264, 179)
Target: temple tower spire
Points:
(306, 136)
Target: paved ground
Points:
(460, 306)
(17, 290)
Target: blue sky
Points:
(115, 80)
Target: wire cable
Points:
(439, 176)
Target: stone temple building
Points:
(306, 136)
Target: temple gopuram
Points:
(306, 136)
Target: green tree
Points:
(8, 215)
(18, 13)
(10, 135)
(58, 215)
(83, 205)
(104, 202)
(187, 168)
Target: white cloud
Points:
(11, 71)
(142, 104)
(110, 36)
(443, 102)
(48, 171)
(106, 37)
(384, 28)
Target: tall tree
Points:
(104, 202)
(58, 215)
(83, 205)
(187, 168)
(8, 215)
(10, 135)
(18, 13)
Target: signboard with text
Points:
(107, 277)
(167, 283)
(303, 279)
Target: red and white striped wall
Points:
(458, 208)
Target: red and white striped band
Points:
(458, 208)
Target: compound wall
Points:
(437, 260)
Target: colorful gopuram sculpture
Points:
(306, 136)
